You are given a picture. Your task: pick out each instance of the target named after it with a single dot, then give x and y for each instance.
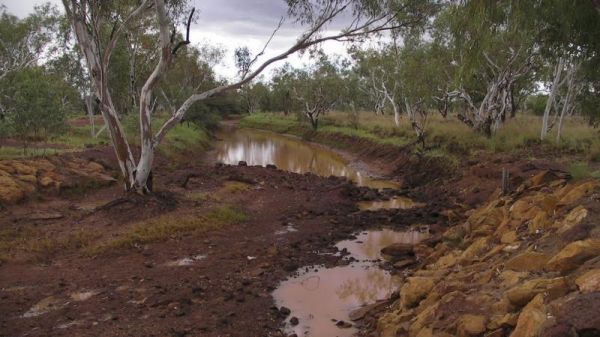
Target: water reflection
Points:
(367, 245)
(321, 295)
(318, 297)
(257, 147)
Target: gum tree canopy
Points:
(99, 24)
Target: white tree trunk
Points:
(551, 98)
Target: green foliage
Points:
(537, 104)
(35, 103)
(582, 170)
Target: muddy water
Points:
(320, 297)
(257, 147)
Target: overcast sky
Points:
(230, 24)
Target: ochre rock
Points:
(415, 289)
(589, 281)
(540, 222)
(477, 248)
(10, 190)
(531, 318)
(523, 293)
(509, 237)
(28, 178)
(23, 169)
(575, 216)
(578, 192)
(398, 250)
(510, 278)
(470, 325)
(573, 255)
(528, 261)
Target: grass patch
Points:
(170, 226)
(41, 247)
(9, 152)
(447, 135)
(200, 196)
(234, 187)
(582, 170)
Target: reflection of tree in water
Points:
(372, 285)
(257, 148)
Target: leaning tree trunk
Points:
(551, 98)
(569, 100)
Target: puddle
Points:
(186, 261)
(322, 296)
(367, 245)
(257, 147)
(394, 203)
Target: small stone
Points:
(294, 321)
(528, 261)
(343, 325)
(573, 255)
(242, 163)
(284, 312)
(398, 250)
(470, 325)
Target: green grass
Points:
(582, 170)
(170, 226)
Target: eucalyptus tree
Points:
(281, 89)
(318, 88)
(493, 52)
(420, 64)
(569, 39)
(86, 16)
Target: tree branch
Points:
(187, 35)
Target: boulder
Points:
(24, 169)
(589, 282)
(539, 223)
(477, 248)
(10, 190)
(398, 250)
(531, 318)
(415, 289)
(509, 237)
(524, 292)
(510, 278)
(574, 218)
(577, 192)
(573, 255)
(470, 325)
(528, 261)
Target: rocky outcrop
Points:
(523, 265)
(22, 178)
